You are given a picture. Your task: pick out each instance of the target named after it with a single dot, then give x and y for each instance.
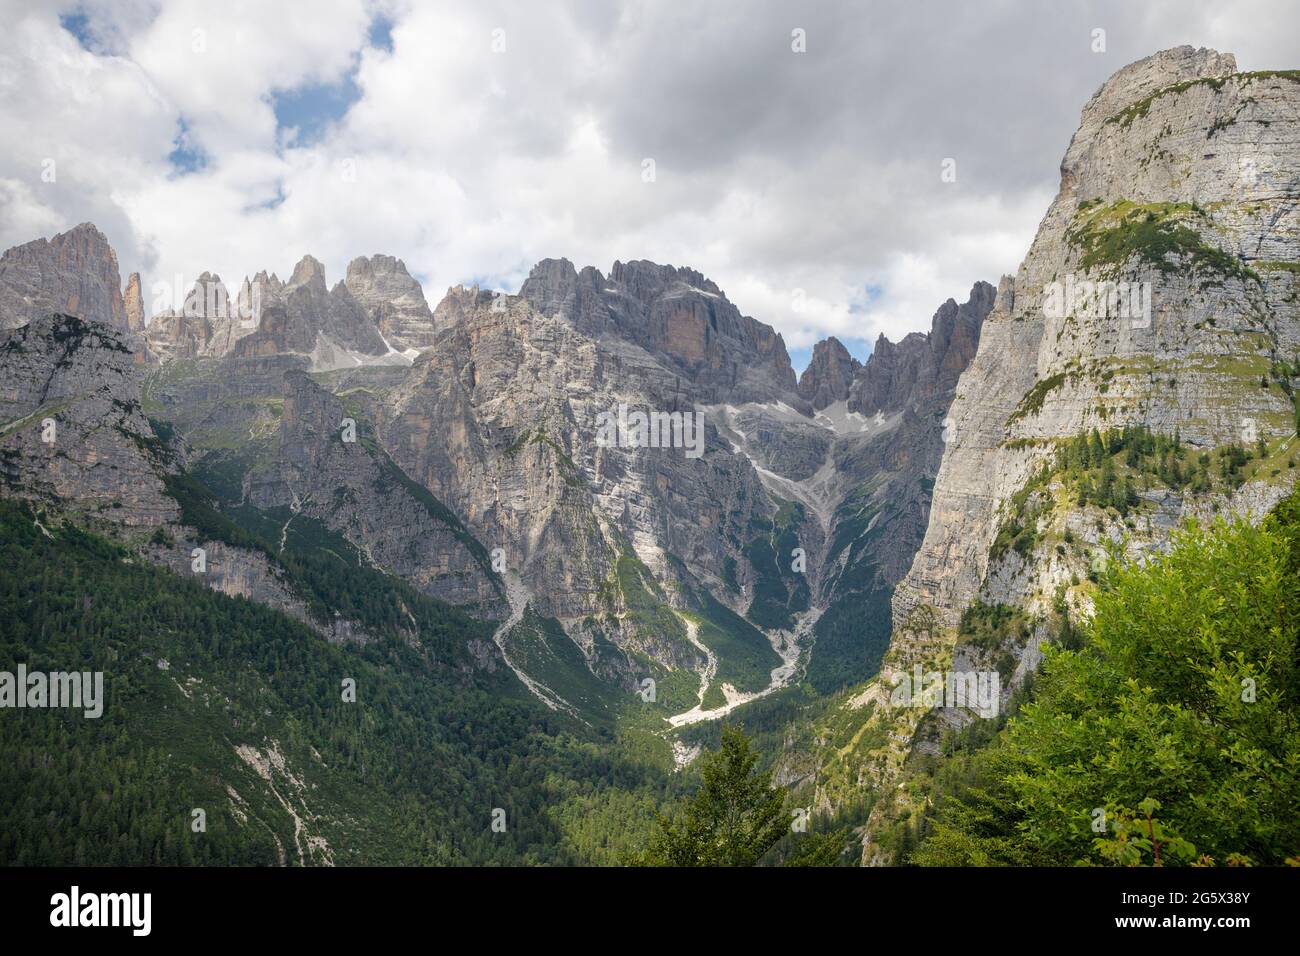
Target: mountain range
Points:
(427, 494)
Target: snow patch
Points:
(328, 356)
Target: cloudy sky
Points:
(472, 139)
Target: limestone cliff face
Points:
(332, 328)
(76, 443)
(133, 304)
(461, 301)
(208, 323)
(306, 317)
(480, 472)
(829, 374)
(1183, 175)
(887, 423)
(393, 301)
(923, 365)
(917, 378)
(239, 572)
(674, 314)
(500, 419)
(624, 543)
(887, 420)
(1179, 190)
(75, 273)
(350, 485)
(72, 431)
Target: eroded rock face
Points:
(393, 301)
(887, 446)
(76, 444)
(1182, 138)
(238, 572)
(675, 314)
(354, 488)
(330, 327)
(75, 273)
(830, 374)
(305, 317)
(208, 323)
(1180, 190)
(74, 434)
(761, 501)
(133, 304)
(923, 365)
(461, 301)
(499, 419)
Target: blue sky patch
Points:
(186, 157)
(381, 33)
(274, 202)
(311, 110)
(78, 24)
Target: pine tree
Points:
(734, 819)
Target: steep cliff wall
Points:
(1139, 369)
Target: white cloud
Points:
(218, 63)
(775, 171)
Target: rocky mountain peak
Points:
(923, 364)
(675, 313)
(829, 375)
(392, 299)
(550, 286)
(1005, 299)
(133, 304)
(681, 314)
(953, 322)
(1169, 190)
(459, 302)
(208, 298)
(208, 323)
(1140, 79)
(1131, 92)
(647, 281)
(271, 282)
(363, 269)
(73, 273)
(308, 272)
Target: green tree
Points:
(1138, 839)
(820, 849)
(1185, 697)
(734, 818)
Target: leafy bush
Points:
(1186, 692)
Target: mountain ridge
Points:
(783, 548)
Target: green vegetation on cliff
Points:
(1111, 470)
(780, 591)
(1165, 236)
(1125, 117)
(1179, 715)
